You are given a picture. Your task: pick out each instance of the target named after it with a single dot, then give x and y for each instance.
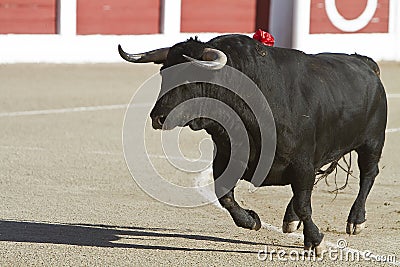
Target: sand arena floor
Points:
(67, 197)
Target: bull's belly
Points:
(336, 144)
(324, 155)
(274, 176)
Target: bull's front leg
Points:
(242, 217)
(224, 189)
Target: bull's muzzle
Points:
(158, 122)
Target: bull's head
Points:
(204, 61)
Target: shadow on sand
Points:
(94, 235)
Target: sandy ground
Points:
(67, 197)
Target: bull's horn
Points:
(213, 59)
(157, 56)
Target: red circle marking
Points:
(351, 10)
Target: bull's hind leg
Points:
(368, 158)
(302, 185)
(291, 222)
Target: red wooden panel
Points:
(118, 16)
(320, 22)
(218, 16)
(28, 16)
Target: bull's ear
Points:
(158, 56)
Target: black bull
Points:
(324, 106)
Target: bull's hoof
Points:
(354, 229)
(290, 227)
(257, 222)
(318, 249)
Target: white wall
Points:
(82, 49)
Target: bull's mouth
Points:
(195, 125)
(160, 123)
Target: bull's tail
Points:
(323, 174)
(370, 62)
